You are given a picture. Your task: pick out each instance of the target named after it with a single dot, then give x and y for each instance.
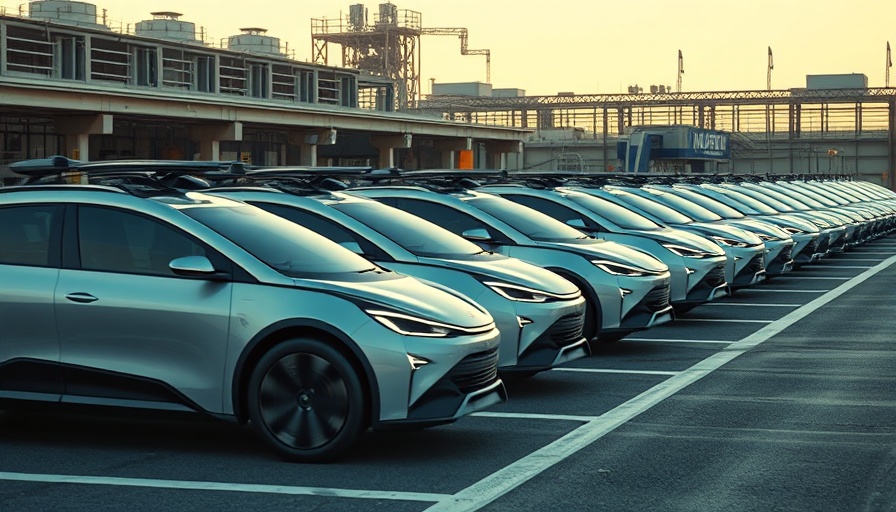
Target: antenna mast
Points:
(771, 66)
(680, 71)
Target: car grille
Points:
(785, 254)
(757, 264)
(715, 277)
(567, 330)
(656, 299)
(475, 371)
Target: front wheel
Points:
(306, 400)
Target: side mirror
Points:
(477, 235)
(197, 266)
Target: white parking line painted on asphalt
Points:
(851, 266)
(669, 340)
(533, 416)
(224, 486)
(510, 477)
(724, 320)
(786, 276)
(747, 305)
(779, 290)
(609, 370)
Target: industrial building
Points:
(72, 85)
(834, 125)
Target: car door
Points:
(29, 269)
(129, 327)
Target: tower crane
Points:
(464, 50)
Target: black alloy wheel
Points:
(306, 400)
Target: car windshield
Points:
(622, 217)
(758, 206)
(290, 249)
(662, 212)
(710, 204)
(418, 236)
(531, 223)
(687, 207)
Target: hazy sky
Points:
(592, 46)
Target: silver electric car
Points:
(696, 264)
(540, 315)
(200, 303)
(745, 251)
(778, 243)
(625, 289)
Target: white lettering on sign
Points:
(710, 142)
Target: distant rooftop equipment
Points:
(476, 89)
(388, 14)
(837, 81)
(254, 40)
(357, 17)
(65, 11)
(166, 25)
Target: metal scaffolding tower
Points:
(389, 47)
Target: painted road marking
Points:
(609, 370)
(668, 340)
(724, 320)
(224, 486)
(744, 304)
(533, 416)
(510, 477)
(772, 290)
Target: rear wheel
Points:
(306, 400)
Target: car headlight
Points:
(792, 230)
(821, 223)
(768, 238)
(412, 326)
(730, 242)
(619, 269)
(687, 252)
(520, 293)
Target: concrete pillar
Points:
(449, 148)
(386, 144)
(308, 140)
(497, 151)
(210, 136)
(78, 129)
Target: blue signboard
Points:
(708, 144)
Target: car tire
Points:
(306, 401)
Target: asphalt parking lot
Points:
(781, 397)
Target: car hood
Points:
(757, 226)
(511, 270)
(714, 229)
(410, 296)
(612, 251)
(685, 238)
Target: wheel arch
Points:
(309, 328)
(592, 298)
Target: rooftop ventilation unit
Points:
(65, 11)
(166, 25)
(254, 40)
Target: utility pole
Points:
(680, 71)
(889, 64)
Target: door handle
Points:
(81, 297)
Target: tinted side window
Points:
(117, 241)
(322, 226)
(550, 208)
(25, 233)
(453, 220)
